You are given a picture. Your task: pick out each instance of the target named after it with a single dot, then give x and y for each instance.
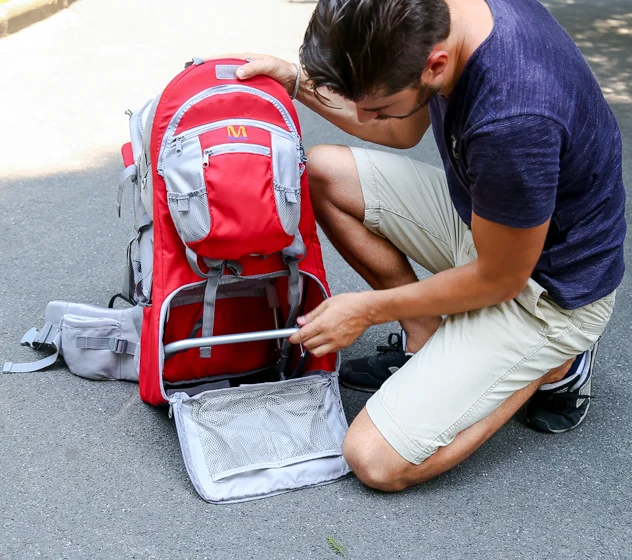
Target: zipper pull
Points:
(179, 145)
(302, 159)
(207, 155)
(170, 410)
(301, 149)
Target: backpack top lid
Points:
(231, 157)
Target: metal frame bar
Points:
(186, 344)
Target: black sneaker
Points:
(368, 374)
(561, 406)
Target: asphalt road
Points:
(88, 471)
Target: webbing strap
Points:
(296, 251)
(192, 258)
(294, 293)
(208, 317)
(115, 344)
(142, 221)
(28, 367)
(45, 336)
(213, 276)
(291, 256)
(129, 173)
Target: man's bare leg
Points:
(379, 466)
(339, 208)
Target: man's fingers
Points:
(309, 317)
(322, 350)
(316, 341)
(256, 67)
(310, 330)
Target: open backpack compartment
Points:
(246, 429)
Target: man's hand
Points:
(335, 324)
(264, 65)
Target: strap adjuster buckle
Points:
(118, 345)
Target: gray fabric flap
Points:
(255, 441)
(226, 71)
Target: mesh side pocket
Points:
(190, 214)
(288, 203)
(262, 427)
(287, 182)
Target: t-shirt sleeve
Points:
(514, 167)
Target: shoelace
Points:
(394, 344)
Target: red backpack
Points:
(220, 186)
(235, 247)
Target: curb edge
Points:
(18, 14)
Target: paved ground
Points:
(88, 471)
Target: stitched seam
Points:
(376, 191)
(430, 233)
(471, 410)
(381, 209)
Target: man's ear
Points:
(435, 66)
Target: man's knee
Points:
(333, 180)
(373, 460)
(324, 162)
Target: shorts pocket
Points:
(592, 328)
(593, 318)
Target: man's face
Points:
(400, 105)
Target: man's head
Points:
(378, 53)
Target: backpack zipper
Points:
(223, 90)
(238, 148)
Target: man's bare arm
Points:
(395, 133)
(506, 259)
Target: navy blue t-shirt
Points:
(526, 135)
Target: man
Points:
(523, 231)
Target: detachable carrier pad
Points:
(260, 440)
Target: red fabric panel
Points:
(244, 221)
(128, 154)
(231, 316)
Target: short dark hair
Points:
(359, 47)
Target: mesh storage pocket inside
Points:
(263, 427)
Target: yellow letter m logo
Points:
(239, 134)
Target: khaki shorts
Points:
(475, 360)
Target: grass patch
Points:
(336, 546)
